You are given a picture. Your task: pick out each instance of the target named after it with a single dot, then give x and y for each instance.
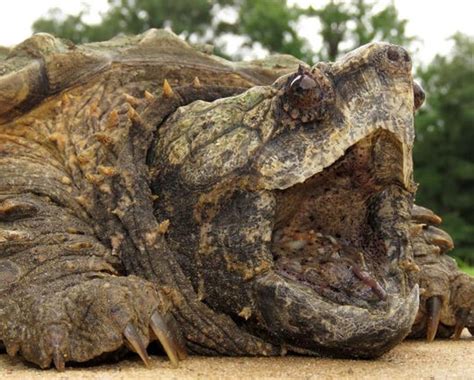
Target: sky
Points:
(433, 22)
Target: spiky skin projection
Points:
(143, 196)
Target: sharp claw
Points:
(461, 317)
(169, 342)
(58, 359)
(458, 330)
(439, 237)
(137, 344)
(433, 308)
(424, 215)
(56, 340)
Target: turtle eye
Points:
(303, 90)
(307, 95)
(302, 82)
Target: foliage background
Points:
(444, 164)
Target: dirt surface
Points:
(410, 360)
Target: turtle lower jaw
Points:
(300, 320)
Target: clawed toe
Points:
(423, 215)
(461, 319)
(438, 238)
(446, 305)
(91, 321)
(167, 338)
(433, 308)
(135, 343)
(160, 331)
(58, 359)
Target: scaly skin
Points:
(108, 241)
(446, 301)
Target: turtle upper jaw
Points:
(341, 250)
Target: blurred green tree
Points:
(271, 23)
(444, 152)
(357, 23)
(130, 17)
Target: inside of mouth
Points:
(326, 233)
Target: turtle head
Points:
(296, 201)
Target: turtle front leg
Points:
(447, 294)
(61, 296)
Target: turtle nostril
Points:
(392, 59)
(393, 54)
(418, 95)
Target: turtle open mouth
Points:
(341, 232)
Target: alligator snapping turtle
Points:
(152, 191)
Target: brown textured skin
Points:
(82, 253)
(440, 277)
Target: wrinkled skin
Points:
(265, 207)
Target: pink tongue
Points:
(327, 266)
(370, 281)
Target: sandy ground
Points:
(410, 360)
